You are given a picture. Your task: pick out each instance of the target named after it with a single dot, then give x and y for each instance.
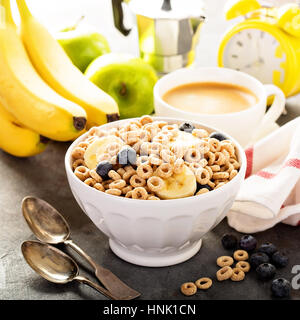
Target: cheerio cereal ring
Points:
(178, 166)
(82, 172)
(200, 133)
(220, 158)
(127, 189)
(167, 156)
(220, 175)
(137, 181)
(210, 158)
(155, 183)
(224, 273)
(95, 176)
(188, 288)
(203, 283)
(232, 174)
(121, 171)
(202, 191)
(152, 197)
(78, 163)
(240, 255)
(144, 171)
(114, 192)
(114, 175)
(129, 194)
(139, 193)
(78, 153)
(83, 145)
(224, 261)
(155, 160)
(202, 176)
(214, 145)
(165, 170)
(99, 186)
(192, 155)
(243, 265)
(117, 184)
(237, 275)
(146, 119)
(215, 168)
(90, 182)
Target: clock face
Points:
(257, 53)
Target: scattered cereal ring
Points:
(155, 183)
(243, 265)
(224, 273)
(98, 186)
(139, 193)
(240, 255)
(202, 191)
(203, 283)
(144, 171)
(90, 182)
(95, 176)
(114, 192)
(137, 181)
(78, 153)
(232, 174)
(214, 145)
(82, 172)
(117, 184)
(78, 163)
(114, 175)
(202, 176)
(224, 261)
(165, 170)
(220, 158)
(220, 175)
(237, 275)
(188, 288)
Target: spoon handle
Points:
(110, 281)
(96, 287)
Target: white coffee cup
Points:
(245, 125)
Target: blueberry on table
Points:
(229, 241)
(248, 243)
(126, 156)
(186, 127)
(103, 169)
(258, 258)
(267, 248)
(266, 271)
(279, 259)
(281, 288)
(218, 135)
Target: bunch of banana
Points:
(42, 95)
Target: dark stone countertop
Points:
(44, 176)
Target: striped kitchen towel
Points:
(271, 191)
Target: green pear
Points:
(129, 80)
(82, 44)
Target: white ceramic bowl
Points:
(155, 233)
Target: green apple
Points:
(129, 80)
(82, 45)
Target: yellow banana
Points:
(57, 70)
(17, 140)
(26, 95)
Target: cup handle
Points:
(274, 112)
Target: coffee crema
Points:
(210, 98)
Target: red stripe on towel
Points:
(295, 163)
(249, 155)
(265, 174)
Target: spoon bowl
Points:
(46, 222)
(49, 262)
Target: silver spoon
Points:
(55, 266)
(49, 226)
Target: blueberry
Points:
(186, 127)
(267, 248)
(281, 288)
(279, 259)
(229, 241)
(258, 258)
(266, 271)
(103, 168)
(218, 135)
(126, 156)
(248, 243)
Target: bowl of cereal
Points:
(155, 185)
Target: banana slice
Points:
(97, 148)
(180, 185)
(183, 142)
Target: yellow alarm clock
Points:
(266, 45)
